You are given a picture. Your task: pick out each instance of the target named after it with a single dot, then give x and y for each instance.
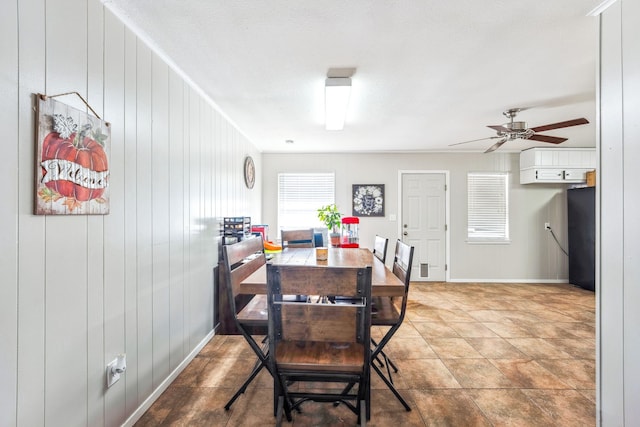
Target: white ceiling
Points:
(429, 73)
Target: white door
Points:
(423, 224)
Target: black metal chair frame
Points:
(402, 269)
(237, 271)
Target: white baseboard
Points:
(167, 382)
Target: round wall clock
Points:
(249, 172)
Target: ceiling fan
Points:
(519, 130)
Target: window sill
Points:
(488, 242)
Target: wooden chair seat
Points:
(319, 356)
(255, 312)
(386, 312)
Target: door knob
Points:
(405, 234)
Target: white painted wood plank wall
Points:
(31, 230)
(9, 223)
(618, 274)
(115, 223)
(78, 290)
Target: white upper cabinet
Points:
(556, 165)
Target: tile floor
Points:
(469, 354)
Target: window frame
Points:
(496, 233)
(314, 202)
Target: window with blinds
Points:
(299, 197)
(488, 207)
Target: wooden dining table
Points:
(383, 281)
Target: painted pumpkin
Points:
(74, 167)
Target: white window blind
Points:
(488, 207)
(299, 197)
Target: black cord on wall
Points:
(556, 239)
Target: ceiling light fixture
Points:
(336, 101)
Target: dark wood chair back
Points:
(402, 263)
(297, 238)
(380, 248)
(314, 321)
(240, 260)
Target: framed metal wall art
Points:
(368, 199)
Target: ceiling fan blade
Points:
(500, 128)
(497, 145)
(546, 138)
(474, 140)
(574, 122)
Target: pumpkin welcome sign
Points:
(72, 161)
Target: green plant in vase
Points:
(330, 216)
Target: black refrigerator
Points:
(581, 219)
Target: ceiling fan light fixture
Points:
(337, 91)
(516, 126)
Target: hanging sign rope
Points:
(44, 97)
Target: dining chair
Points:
(319, 342)
(297, 238)
(391, 312)
(380, 248)
(239, 261)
